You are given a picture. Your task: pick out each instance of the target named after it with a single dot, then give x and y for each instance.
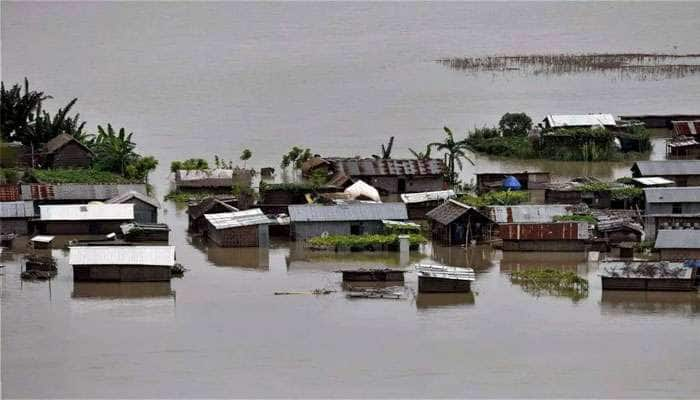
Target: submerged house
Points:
(487, 182)
(389, 176)
(208, 205)
(205, 180)
(247, 228)
(682, 172)
(65, 151)
(579, 121)
(455, 223)
(357, 218)
(678, 244)
(526, 213)
(418, 204)
(145, 207)
(122, 263)
(671, 208)
(83, 218)
(15, 216)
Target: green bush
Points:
(575, 218)
(515, 124)
(551, 282)
(364, 242)
(189, 165)
(80, 175)
(504, 198)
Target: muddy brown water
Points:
(203, 79)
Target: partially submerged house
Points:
(671, 208)
(65, 151)
(389, 176)
(216, 180)
(488, 182)
(208, 205)
(122, 263)
(455, 223)
(83, 218)
(528, 213)
(418, 204)
(678, 244)
(74, 193)
(247, 228)
(356, 218)
(579, 121)
(145, 207)
(554, 236)
(682, 172)
(15, 216)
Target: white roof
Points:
(561, 121)
(237, 219)
(122, 255)
(195, 174)
(86, 212)
(43, 239)
(360, 188)
(132, 194)
(410, 198)
(653, 181)
(16, 209)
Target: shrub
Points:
(575, 218)
(362, 242)
(189, 164)
(515, 124)
(78, 175)
(504, 198)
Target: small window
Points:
(677, 208)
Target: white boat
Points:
(443, 279)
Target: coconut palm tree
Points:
(455, 152)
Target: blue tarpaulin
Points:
(511, 183)
(692, 264)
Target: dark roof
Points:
(206, 204)
(347, 212)
(61, 140)
(451, 210)
(380, 167)
(77, 191)
(677, 239)
(667, 167)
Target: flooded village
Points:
(549, 248)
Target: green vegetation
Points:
(515, 124)
(510, 147)
(246, 154)
(363, 242)
(504, 198)
(386, 151)
(616, 192)
(183, 197)
(575, 218)
(294, 187)
(296, 157)
(551, 282)
(422, 155)
(455, 152)
(8, 176)
(191, 164)
(78, 175)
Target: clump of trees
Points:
(296, 157)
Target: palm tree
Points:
(455, 151)
(422, 155)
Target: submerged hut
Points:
(145, 207)
(122, 263)
(681, 244)
(83, 218)
(215, 180)
(310, 220)
(15, 216)
(209, 205)
(647, 275)
(455, 223)
(418, 204)
(247, 228)
(671, 208)
(682, 172)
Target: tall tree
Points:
(18, 110)
(114, 150)
(455, 152)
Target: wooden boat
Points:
(443, 279)
(372, 275)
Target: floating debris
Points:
(178, 270)
(396, 293)
(551, 282)
(641, 66)
(314, 292)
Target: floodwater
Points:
(204, 79)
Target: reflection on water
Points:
(443, 300)
(245, 257)
(121, 290)
(621, 302)
(481, 258)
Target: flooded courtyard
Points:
(221, 332)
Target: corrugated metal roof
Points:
(82, 192)
(196, 175)
(668, 167)
(623, 269)
(391, 167)
(122, 255)
(677, 239)
(87, 212)
(9, 192)
(653, 181)
(237, 219)
(528, 213)
(572, 120)
(410, 198)
(43, 238)
(673, 195)
(17, 209)
(347, 212)
(124, 197)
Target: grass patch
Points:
(506, 198)
(77, 175)
(551, 282)
(363, 242)
(184, 197)
(575, 218)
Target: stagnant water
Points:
(205, 79)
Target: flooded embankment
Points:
(221, 331)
